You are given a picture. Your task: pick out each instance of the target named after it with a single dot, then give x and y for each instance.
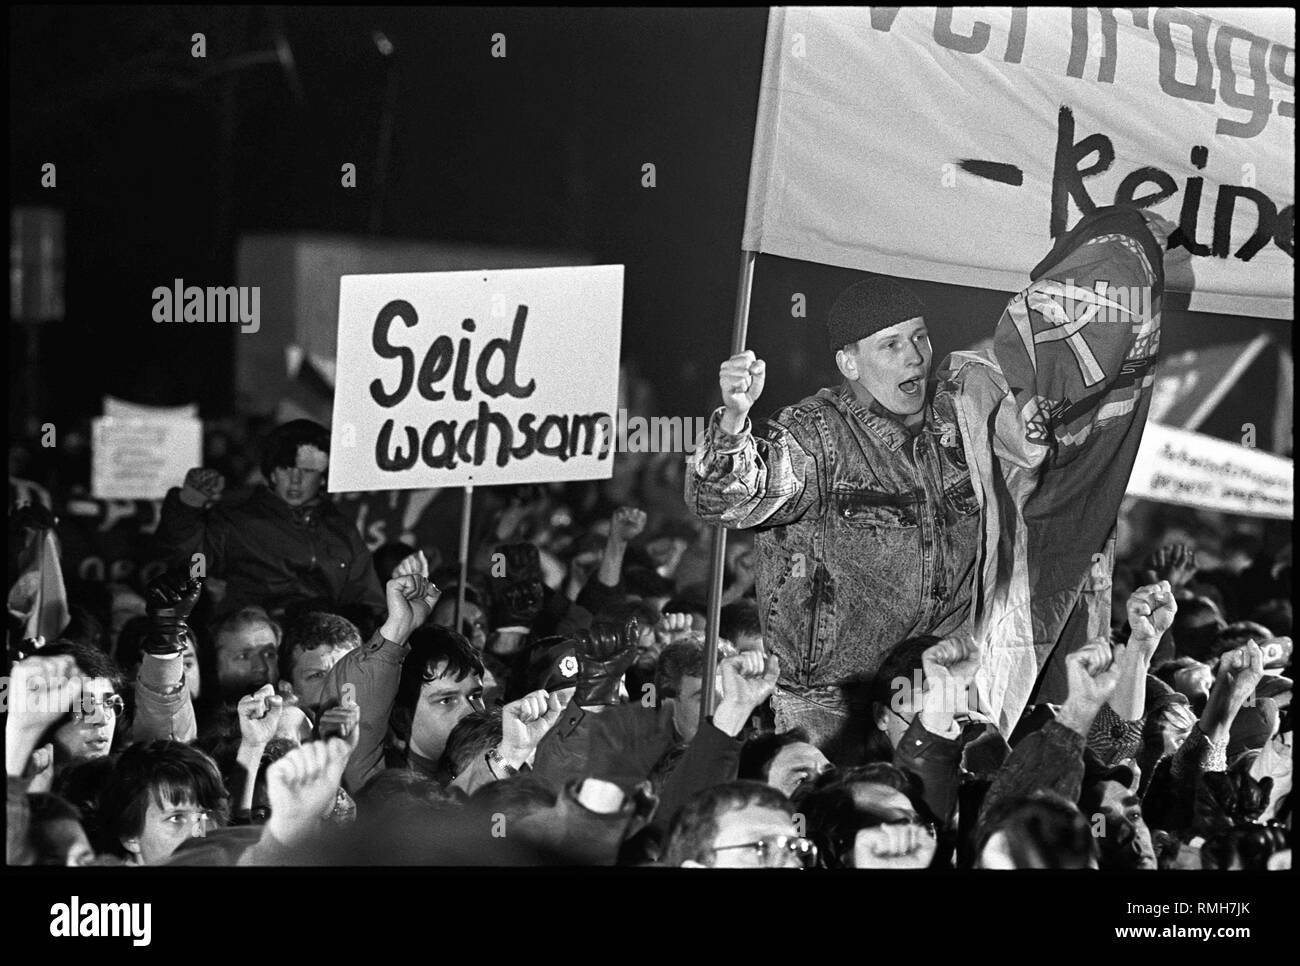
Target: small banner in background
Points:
(141, 458)
(1191, 469)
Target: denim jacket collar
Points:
(883, 424)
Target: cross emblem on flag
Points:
(1068, 309)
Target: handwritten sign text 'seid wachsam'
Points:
(488, 377)
(141, 458)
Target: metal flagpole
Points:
(464, 554)
(718, 548)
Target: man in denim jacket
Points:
(868, 523)
(983, 505)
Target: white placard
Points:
(479, 378)
(1176, 466)
(120, 407)
(141, 459)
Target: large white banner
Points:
(488, 377)
(1176, 466)
(954, 144)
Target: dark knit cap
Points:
(866, 307)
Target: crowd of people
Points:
(283, 696)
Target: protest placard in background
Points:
(120, 407)
(479, 378)
(140, 458)
(1191, 469)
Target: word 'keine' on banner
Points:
(1176, 466)
(478, 378)
(1005, 125)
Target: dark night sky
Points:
(161, 168)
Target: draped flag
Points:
(38, 598)
(1052, 420)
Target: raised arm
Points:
(931, 748)
(163, 709)
(185, 527)
(713, 756)
(1151, 612)
(606, 588)
(370, 674)
(1052, 757)
(741, 480)
(1173, 793)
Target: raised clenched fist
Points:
(415, 563)
(749, 678)
(525, 722)
(952, 657)
(1151, 611)
(1240, 670)
(672, 628)
(302, 786)
(202, 487)
(1175, 563)
(741, 380)
(259, 716)
(627, 523)
(1092, 673)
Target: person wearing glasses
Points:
(88, 728)
(738, 825)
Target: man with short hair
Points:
(869, 500)
(312, 645)
(679, 683)
(737, 825)
(851, 479)
(474, 736)
(247, 645)
(412, 695)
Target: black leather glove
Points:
(605, 652)
(517, 595)
(169, 599)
